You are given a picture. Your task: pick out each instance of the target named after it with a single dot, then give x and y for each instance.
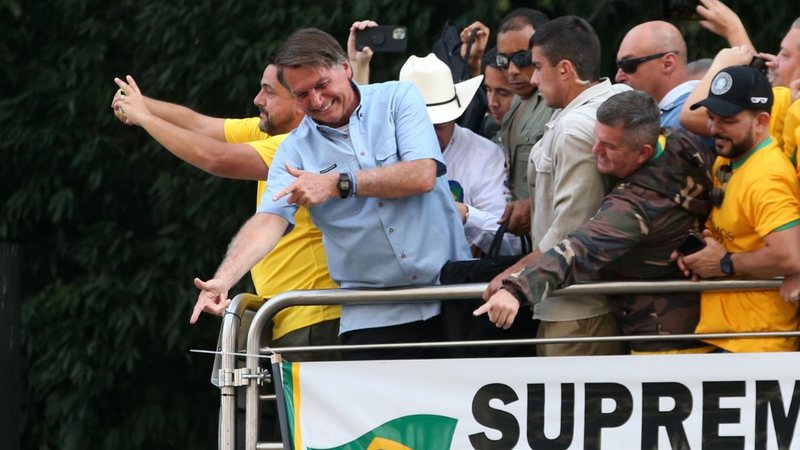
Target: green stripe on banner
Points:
(419, 431)
(288, 391)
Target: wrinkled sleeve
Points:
(617, 227)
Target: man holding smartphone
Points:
(661, 197)
(754, 227)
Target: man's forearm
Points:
(239, 161)
(187, 119)
(403, 179)
(257, 237)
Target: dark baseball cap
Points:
(735, 89)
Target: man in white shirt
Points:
(475, 165)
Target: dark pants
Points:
(421, 331)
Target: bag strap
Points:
(497, 242)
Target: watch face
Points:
(726, 265)
(344, 185)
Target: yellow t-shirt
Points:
(298, 262)
(782, 99)
(791, 134)
(761, 196)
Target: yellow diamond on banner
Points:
(386, 444)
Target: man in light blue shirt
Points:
(367, 164)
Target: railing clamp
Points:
(242, 377)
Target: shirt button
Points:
(380, 204)
(362, 153)
(402, 256)
(413, 277)
(391, 230)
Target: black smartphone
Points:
(680, 9)
(383, 38)
(691, 243)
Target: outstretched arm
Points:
(257, 237)
(204, 150)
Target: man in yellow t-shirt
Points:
(243, 149)
(753, 229)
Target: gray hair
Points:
(309, 47)
(636, 112)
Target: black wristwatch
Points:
(726, 264)
(345, 185)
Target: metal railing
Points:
(230, 378)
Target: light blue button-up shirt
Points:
(376, 242)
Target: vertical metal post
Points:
(10, 353)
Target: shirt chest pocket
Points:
(542, 162)
(386, 153)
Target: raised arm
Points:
(723, 21)
(481, 33)
(359, 60)
(696, 120)
(207, 150)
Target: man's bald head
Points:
(665, 67)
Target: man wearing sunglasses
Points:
(652, 58)
(524, 123)
(753, 229)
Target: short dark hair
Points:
(490, 58)
(573, 39)
(309, 47)
(636, 112)
(521, 17)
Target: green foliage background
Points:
(113, 228)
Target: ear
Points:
(670, 62)
(645, 153)
(348, 70)
(565, 69)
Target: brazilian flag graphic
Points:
(416, 432)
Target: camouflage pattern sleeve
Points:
(618, 226)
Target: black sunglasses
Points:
(629, 65)
(520, 58)
(716, 195)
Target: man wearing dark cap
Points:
(752, 230)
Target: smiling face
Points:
(736, 135)
(614, 156)
(277, 109)
(787, 61)
(323, 93)
(519, 78)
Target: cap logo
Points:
(722, 83)
(762, 100)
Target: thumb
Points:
(292, 171)
(200, 284)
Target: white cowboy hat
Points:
(432, 77)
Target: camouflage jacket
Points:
(640, 222)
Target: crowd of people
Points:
(376, 185)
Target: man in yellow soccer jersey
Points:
(752, 230)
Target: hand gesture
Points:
(309, 189)
(501, 309)
(213, 298)
(128, 104)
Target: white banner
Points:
(711, 401)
